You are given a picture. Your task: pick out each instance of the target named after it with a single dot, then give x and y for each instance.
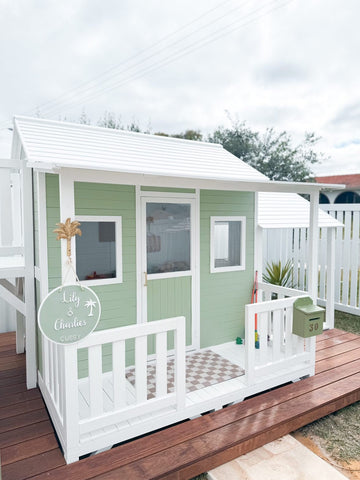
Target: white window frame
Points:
(233, 268)
(171, 199)
(118, 248)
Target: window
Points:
(98, 250)
(167, 237)
(227, 249)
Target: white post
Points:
(313, 266)
(42, 229)
(71, 403)
(258, 250)
(67, 210)
(249, 345)
(313, 246)
(180, 364)
(330, 278)
(20, 319)
(6, 219)
(29, 290)
(17, 214)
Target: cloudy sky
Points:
(170, 66)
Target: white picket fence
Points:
(292, 243)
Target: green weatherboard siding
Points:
(170, 297)
(52, 218)
(223, 295)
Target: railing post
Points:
(249, 344)
(330, 278)
(71, 404)
(180, 367)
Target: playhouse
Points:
(170, 242)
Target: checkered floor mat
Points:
(203, 369)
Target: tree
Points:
(109, 120)
(84, 119)
(273, 154)
(187, 135)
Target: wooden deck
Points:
(29, 448)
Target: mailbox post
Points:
(308, 318)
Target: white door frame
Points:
(168, 197)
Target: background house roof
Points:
(289, 210)
(72, 145)
(351, 181)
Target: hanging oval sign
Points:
(69, 313)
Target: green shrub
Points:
(276, 274)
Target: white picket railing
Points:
(292, 244)
(59, 382)
(278, 348)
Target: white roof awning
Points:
(289, 210)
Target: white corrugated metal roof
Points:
(67, 144)
(289, 210)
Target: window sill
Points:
(101, 281)
(238, 268)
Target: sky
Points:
(171, 66)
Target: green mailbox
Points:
(308, 318)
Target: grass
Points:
(339, 433)
(347, 322)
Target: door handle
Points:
(145, 284)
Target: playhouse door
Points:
(168, 237)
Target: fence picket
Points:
(140, 368)
(355, 246)
(339, 243)
(95, 380)
(346, 260)
(296, 256)
(161, 364)
(288, 331)
(119, 379)
(263, 333)
(276, 335)
(322, 262)
(302, 254)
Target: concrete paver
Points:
(283, 459)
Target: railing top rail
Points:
(131, 331)
(8, 251)
(10, 163)
(271, 305)
(341, 207)
(290, 292)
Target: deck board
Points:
(29, 449)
